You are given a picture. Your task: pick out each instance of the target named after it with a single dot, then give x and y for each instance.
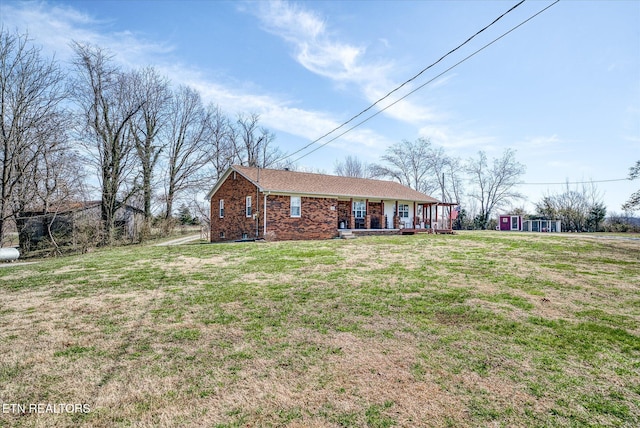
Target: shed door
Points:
(514, 223)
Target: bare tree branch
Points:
(31, 94)
(254, 144)
(634, 200)
(186, 135)
(406, 162)
(352, 166)
(154, 96)
(107, 107)
(494, 186)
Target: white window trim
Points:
(402, 212)
(247, 208)
(221, 208)
(359, 207)
(298, 205)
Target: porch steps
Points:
(347, 234)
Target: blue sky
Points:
(563, 90)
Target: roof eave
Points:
(427, 200)
(346, 195)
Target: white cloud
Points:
(291, 22)
(443, 136)
(320, 52)
(279, 114)
(404, 110)
(539, 142)
(336, 61)
(442, 81)
(55, 27)
(314, 48)
(632, 138)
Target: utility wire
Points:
(407, 81)
(576, 182)
(414, 90)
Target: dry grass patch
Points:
(476, 329)
(193, 264)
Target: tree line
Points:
(154, 146)
(150, 144)
(482, 186)
(479, 184)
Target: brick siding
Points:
(235, 222)
(344, 213)
(376, 214)
(317, 221)
(317, 218)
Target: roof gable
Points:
(293, 182)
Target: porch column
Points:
(396, 217)
(383, 223)
(352, 220)
(367, 216)
(415, 213)
(264, 217)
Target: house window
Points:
(221, 208)
(295, 206)
(403, 211)
(359, 209)
(221, 235)
(248, 206)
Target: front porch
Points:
(384, 232)
(365, 217)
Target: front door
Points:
(359, 213)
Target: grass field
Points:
(475, 329)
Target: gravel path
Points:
(179, 241)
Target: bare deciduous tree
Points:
(448, 173)
(634, 200)
(254, 145)
(154, 96)
(58, 181)
(494, 185)
(579, 209)
(352, 166)
(31, 92)
(186, 136)
(107, 107)
(408, 162)
(222, 141)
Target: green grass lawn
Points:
(474, 329)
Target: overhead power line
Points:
(411, 92)
(406, 82)
(576, 182)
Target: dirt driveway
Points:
(179, 241)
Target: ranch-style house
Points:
(256, 203)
